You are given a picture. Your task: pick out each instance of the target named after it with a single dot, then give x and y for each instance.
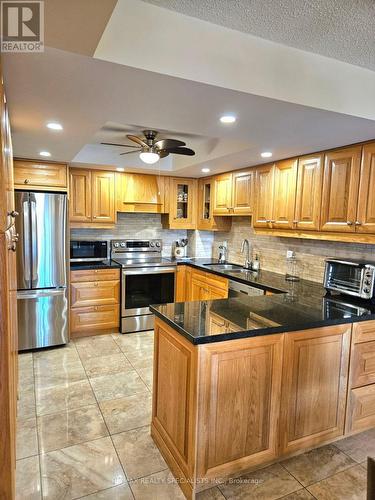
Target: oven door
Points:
(142, 287)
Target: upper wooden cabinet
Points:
(309, 193)
(139, 193)
(264, 187)
(234, 193)
(284, 194)
(340, 189)
(205, 218)
(29, 175)
(182, 204)
(92, 197)
(80, 195)
(365, 220)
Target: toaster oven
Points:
(354, 278)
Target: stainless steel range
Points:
(147, 278)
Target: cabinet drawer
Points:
(94, 293)
(215, 281)
(362, 371)
(94, 318)
(198, 275)
(28, 174)
(363, 331)
(361, 409)
(94, 275)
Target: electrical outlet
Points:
(289, 254)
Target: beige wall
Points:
(311, 254)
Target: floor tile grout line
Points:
(331, 475)
(344, 452)
(298, 481)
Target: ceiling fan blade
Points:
(163, 153)
(169, 143)
(121, 145)
(130, 152)
(181, 151)
(138, 140)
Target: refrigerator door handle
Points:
(26, 240)
(40, 293)
(34, 241)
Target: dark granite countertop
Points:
(298, 306)
(83, 266)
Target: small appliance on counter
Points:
(349, 277)
(180, 248)
(87, 251)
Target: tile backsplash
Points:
(134, 226)
(311, 254)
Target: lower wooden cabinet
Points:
(361, 409)
(94, 301)
(315, 374)
(180, 288)
(205, 286)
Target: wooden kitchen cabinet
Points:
(313, 398)
(284, 194)
(234, 193)
(92, 198)
(80, 195)
(182, 204)
(180, 289)
(139, 193)
(206, 220)
(43, 176)
(340, 189)
(94, 301)
(309, 193)
(365, 220)
(264, 187)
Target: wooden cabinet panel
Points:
(103, 196)
(217, 324)
(243, 184)
(362, 364)
(188, 276)
(365, 221)
(314, 386)
(139, 193)
(182, 204)
(239, 384)
(214, 293)
(94, 293)
(94, 275)
(39, 175)
(206, 220)
(86, 319)
(361, 409)
(198, 289)
(80, 195)
(284, 194)
(264, 188)
(180, 290)
(340, 190)
(6, 168)
(309, 193)
(223, 194)
(174, 399)
(364, 331)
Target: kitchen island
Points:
(241, 383)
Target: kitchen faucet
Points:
(247, 264)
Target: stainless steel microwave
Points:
(90, 251)
(354, 278)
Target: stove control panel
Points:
(119, 247)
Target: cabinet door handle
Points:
(358, 223)
(295, 222)
(96, 284)
(349, 222)
(272, 221)
(13, 213)
(26, 181)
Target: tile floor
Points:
(83, 432)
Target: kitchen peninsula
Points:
(243, 382)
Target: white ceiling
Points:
(341, 29)
(121, 87)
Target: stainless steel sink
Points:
(224, 267)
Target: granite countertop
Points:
(297, 306)
(84, 266)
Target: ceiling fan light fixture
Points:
(149, 157)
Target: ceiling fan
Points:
(152, 150)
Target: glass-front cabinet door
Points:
(206, 220)
(183, 203)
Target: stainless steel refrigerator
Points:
(42, 297)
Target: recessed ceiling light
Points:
(45, 153)
(227, 119)
(120, 169)
(266, 154)
(205, 170)
(54, 126)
